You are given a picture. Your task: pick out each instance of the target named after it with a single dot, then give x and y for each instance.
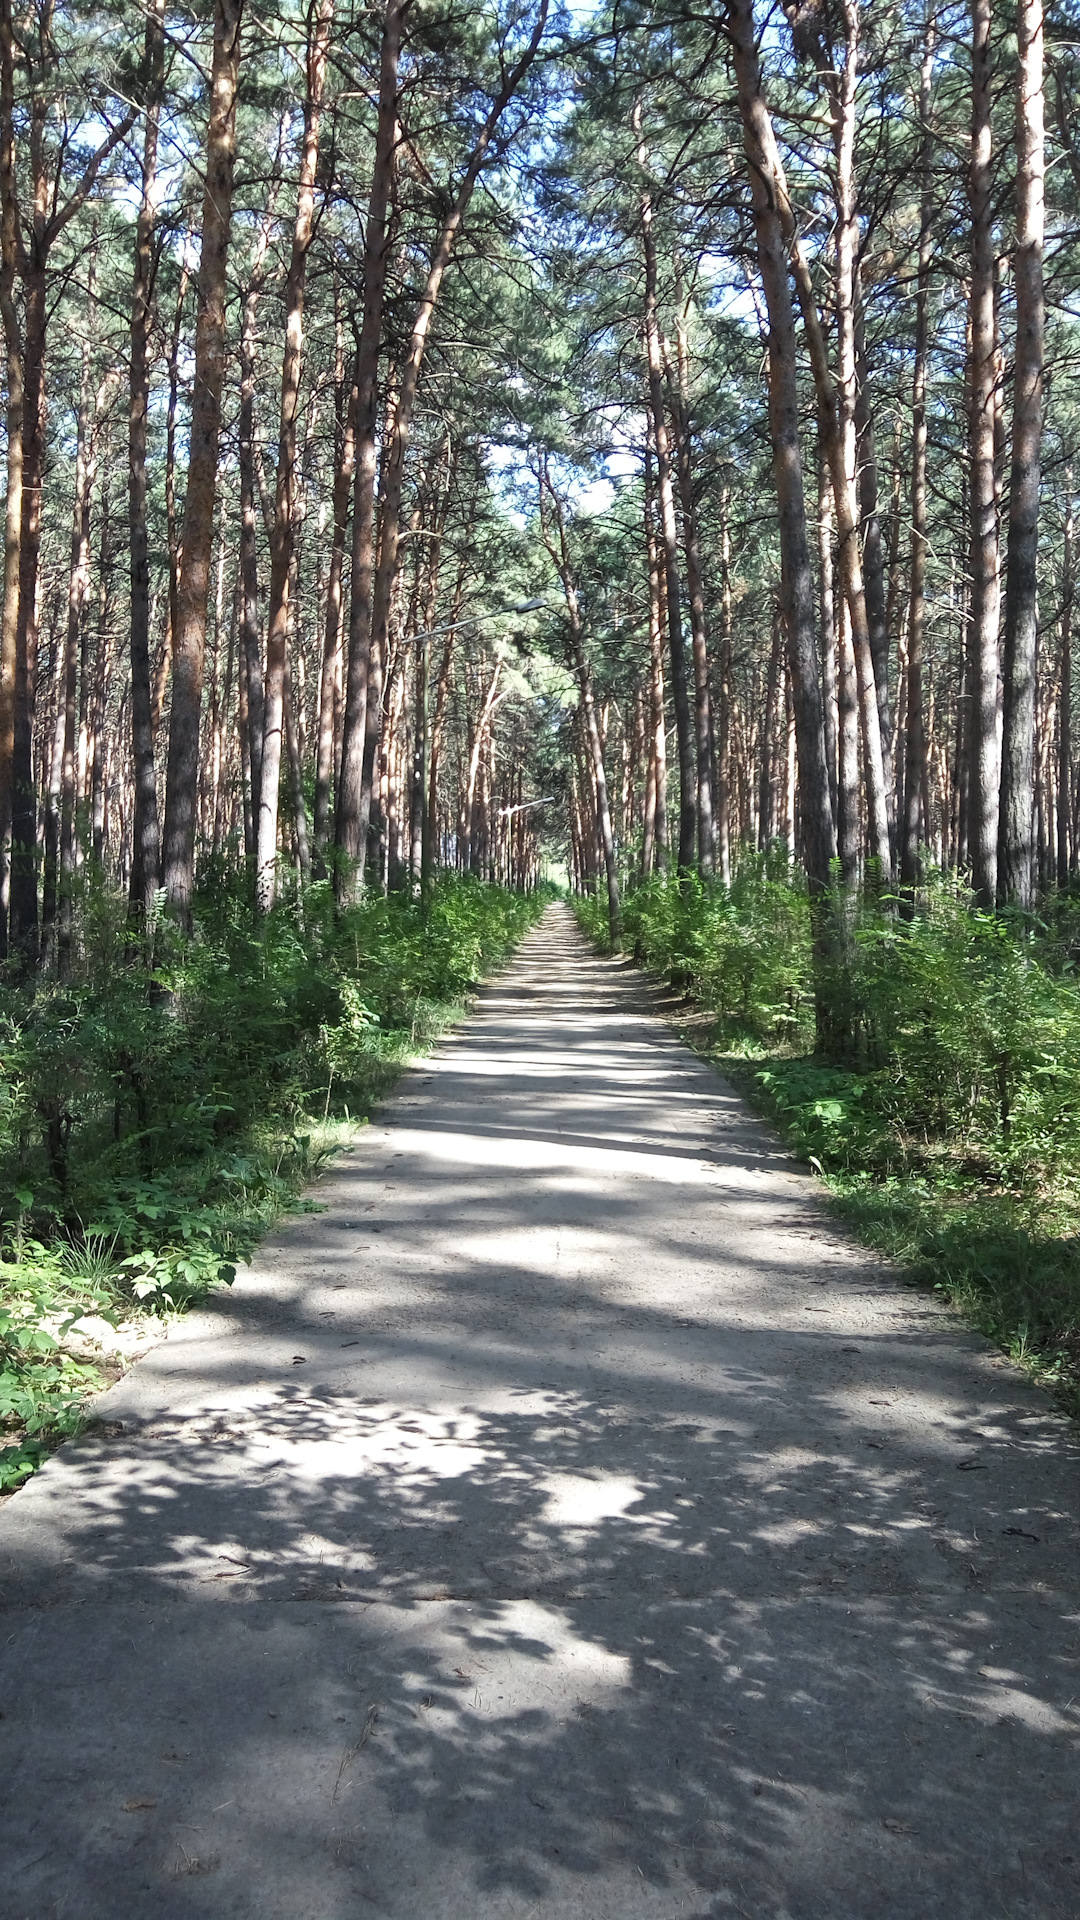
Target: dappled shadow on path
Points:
(599, 1537)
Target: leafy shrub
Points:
(152, 1128)
(743, 951)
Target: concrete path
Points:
(567, 1522)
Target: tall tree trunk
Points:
(9, 243)
(330, 679)
(145, 851)
(23, 911)
(251, 672)
(554, 536)
(1016, 849)
(320, 21)
(655, 842)
(189, 645)
(68, 678)
(695, 593)
(914, 828)
(983, 755)
(766, 177)
(848, 812)
(684, 734)
(723, 740)
(828, 635)
(172, 523)
(873, 545)
(1065, 864)
(350, 815)
(766, 811)
(841, 429)
(78, 594)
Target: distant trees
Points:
(788, 291)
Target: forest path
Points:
(567, 1522)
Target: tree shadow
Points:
(439, 1572)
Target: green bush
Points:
(151, 1128)
(950, 1130)
(743, 952)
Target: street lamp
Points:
(525, 806)
(421, 640)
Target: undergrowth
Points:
(153, 1127)
(948, 1134)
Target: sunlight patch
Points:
(573, 1501)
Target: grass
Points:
(950, 1142)
(1007, 1258)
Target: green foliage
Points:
(743, 952)
(950, 1136)
(42, 1388)
(152, 1128)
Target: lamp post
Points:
(422, 750)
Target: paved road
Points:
(567, 1522)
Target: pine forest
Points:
(455, 456)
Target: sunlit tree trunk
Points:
(723, 732)
(283, 535)
(828, 631)
(695, 593)
(766, 177)
(330, 681)
(655, 840)
(553, 526)
(873, 548)
(684, 733)
(840, 423)
(251, 669)
(353, 799)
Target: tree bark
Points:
(320, 21)
(703, 720)
(1065, 863)
(983, 754)
(60, 806)
(330, 679)
(145, 850)
(655, 839)
(351, 812)
(189, 640)
(684, 734)
(251, 670)
(9, 248)
(1016, 846)
(769, 196)
(555, 540)
(914, 827)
